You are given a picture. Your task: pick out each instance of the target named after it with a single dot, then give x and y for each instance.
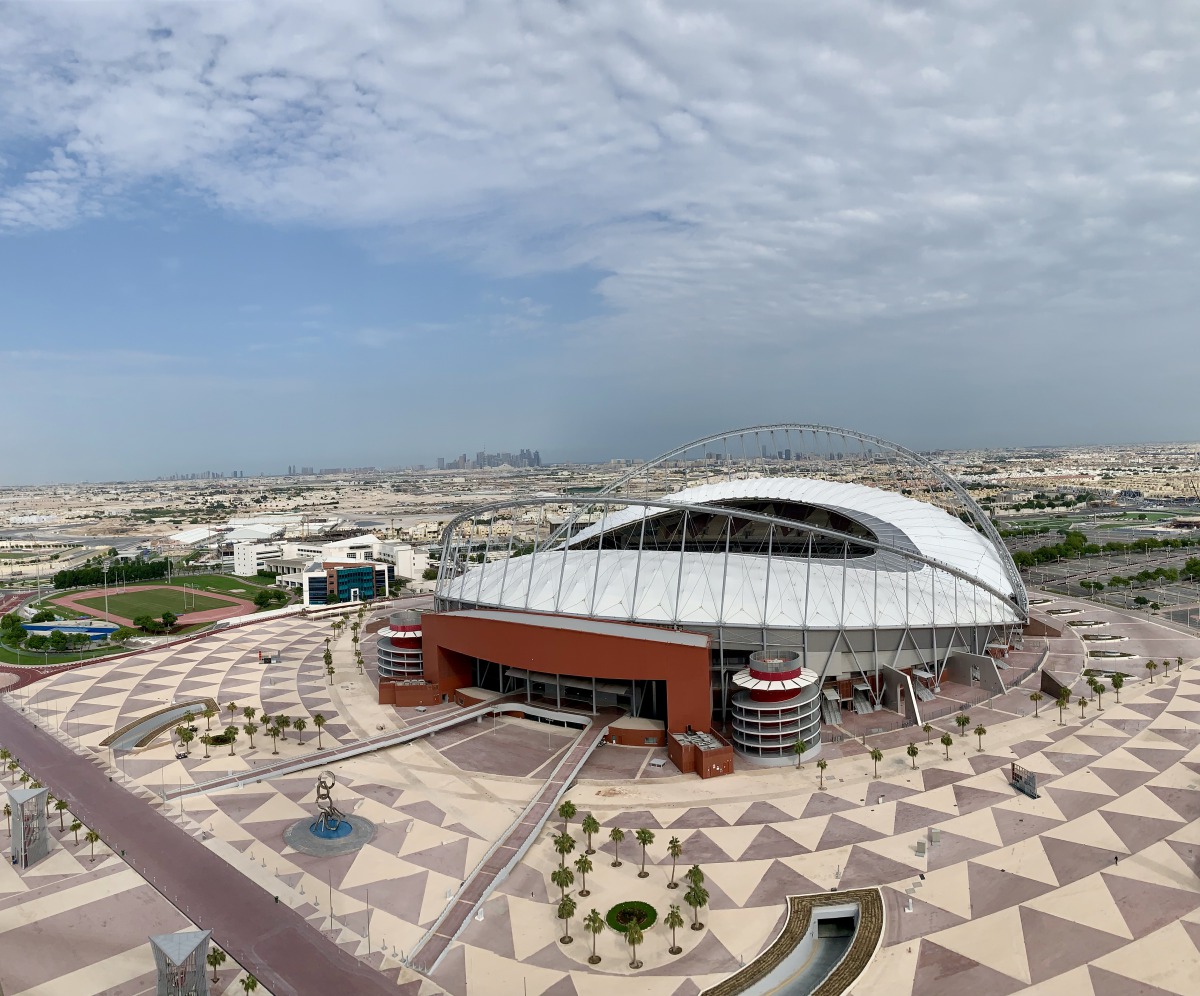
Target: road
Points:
(270, 940)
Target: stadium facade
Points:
(762, 600)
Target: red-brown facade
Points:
(452, 640)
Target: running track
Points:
(271, 941)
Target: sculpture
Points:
(330, 817)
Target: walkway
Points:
(269, 939)
(509, 850)
(393, 738)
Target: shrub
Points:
(624, 915)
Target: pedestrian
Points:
(1116, 858)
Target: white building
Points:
(292, 557)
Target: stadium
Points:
(757, 583)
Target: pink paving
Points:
(238, 607)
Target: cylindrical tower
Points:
(778, 706)
(398, 649)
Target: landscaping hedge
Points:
(627, 911)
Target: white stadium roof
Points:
(882, 590)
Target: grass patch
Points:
(153, 602)
(624, 915)
(30, 658)
(17, 555)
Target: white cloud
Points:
(766, 169)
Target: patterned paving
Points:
(1092, 889)
(71, 925)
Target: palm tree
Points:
(675, 850)
(8, 819)
(319, 723)
(1151, 667)
(697, 898)
(251, 729)
(564, 844)
(328, 656)
(947, 741)
(1178, 663)
(249, 984)
(694, 875)
(300, 726)
(673, 921)
(91, 837)
(876, 755)
(273, 731)
(634, 937)
(980, 731)
(912, 751)
(249, 712)
(215, 959)
(1099, 688)
(566, 812)
(1082, 703)
(232, 707)
(564, 878)
(206, 740)
(179, 735)
(616, 835)
(589, 826)
(24, 779)
(1118, 682)
(75, 827)
(583, 865)
(594, 924)
(284, 723)
(821, 766)
(800, 750)
(61, 806)
(566, 910)
(12, 771)
(645, 838)
(1064, 700)
(358, 660)
(208, 714)
(231, 734)
(330, 671)
(928, 728)
(1035, 698)
(963, 721)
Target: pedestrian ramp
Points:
(393, 738)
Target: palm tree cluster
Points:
(564, 877)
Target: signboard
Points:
(1024, 780)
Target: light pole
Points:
(104, 571)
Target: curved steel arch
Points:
(710, 510)
(980, 517)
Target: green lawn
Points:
(153, 602)
(241, 587)
(17, 555)
(9, 656)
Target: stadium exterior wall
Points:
(611, 652)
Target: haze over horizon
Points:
(252, 235)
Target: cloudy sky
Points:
(247, 234)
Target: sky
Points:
(243, 235)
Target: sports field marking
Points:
(154, 602)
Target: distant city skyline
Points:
(229, 231)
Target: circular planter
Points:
(624, 915)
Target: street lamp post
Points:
(104, 571)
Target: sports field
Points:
(154, 602)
